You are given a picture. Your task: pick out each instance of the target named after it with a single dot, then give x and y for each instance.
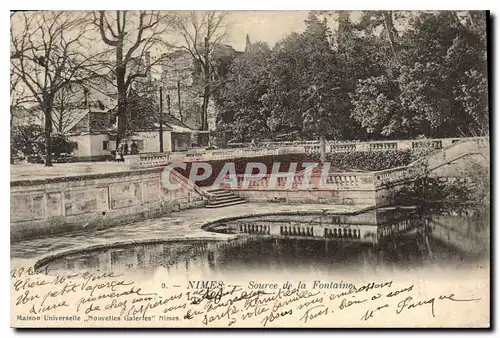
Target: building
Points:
(71, 103)
(182, 98)
(94, 136)
(181, 79)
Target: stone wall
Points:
(467, 233)
(347, 197)
(69, 204)
(368, 226)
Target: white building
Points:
(93, 137)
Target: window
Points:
(105, 145)
(73, 146)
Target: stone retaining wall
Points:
(68, 204)
(346, 197)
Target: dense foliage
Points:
(386, 75)
(23, 141)
(372, 160)
(470, 193)
(29, 141)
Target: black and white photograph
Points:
(250, 169)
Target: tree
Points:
(304, 92)
(48, 53)
(238, 98)
(445, 72)
(370, 21)
(467, 60)
(436, 85)
(131, 36)
(280, 102)
(378, 109)
(24, 141)
(18, 95)
(320, 100)
(203, 33)
(143, 106)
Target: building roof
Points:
(93, 122)
(173, 121)
(170, 123)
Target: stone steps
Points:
(224, 198)
(210, 205)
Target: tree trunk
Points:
(120, 72)
(122, 118)
(60, 123)
(11, 117)
(204, 108)
(206, 84)
(122, 105)
(204, 118)
(48, 136)
(391, 31)
(179, 100)
(343, 17)
(322, 149)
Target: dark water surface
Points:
(449, 240)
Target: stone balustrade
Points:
(453, 151)
(391, 175)
(355, 181)
(342, 147)
(148, 160)
(348, 146)
(342, 188)
(65, 204)
(383, 146)
(332, 181)
(436, 144)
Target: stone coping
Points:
(109, 175)
(119, 244)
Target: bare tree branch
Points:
(136, 33)
(103, 30)
(203, 33)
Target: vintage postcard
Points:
(249, 169)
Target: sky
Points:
(268, 26)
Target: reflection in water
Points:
(449, 240)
